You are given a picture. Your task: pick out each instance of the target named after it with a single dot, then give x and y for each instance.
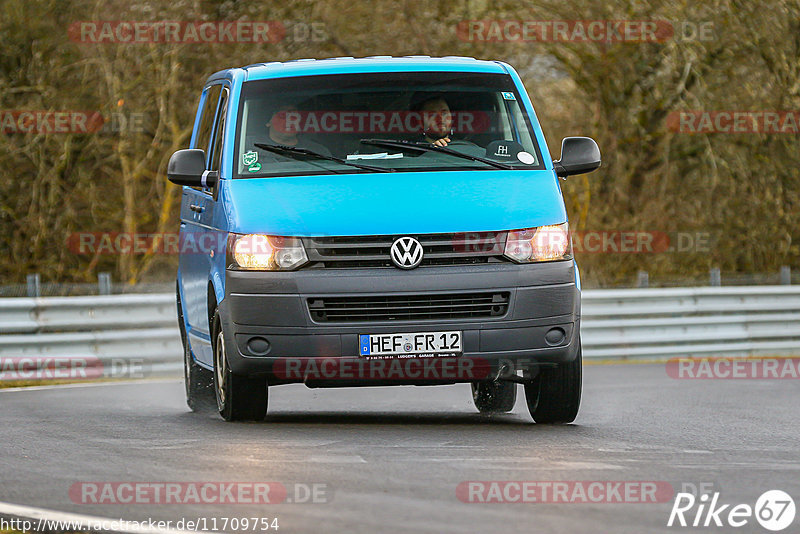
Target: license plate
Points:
(413, 344)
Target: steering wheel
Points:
(461, 142)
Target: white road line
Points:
(90, 384)
(80, 522)
(520, 463)
(337, 459)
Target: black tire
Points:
(198, 382)
(239, 398)
(494, 397)
(554, 395)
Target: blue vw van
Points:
(377, 221)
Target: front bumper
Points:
(274, 306)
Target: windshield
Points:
(353, 123)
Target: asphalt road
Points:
(391, 459)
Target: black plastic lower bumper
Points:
(269, 329)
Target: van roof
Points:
(346, 65)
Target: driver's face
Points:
(278, 121)
(437, 117)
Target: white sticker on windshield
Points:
(526, 157)
(380, 155)
(248, 158)
(508, 96)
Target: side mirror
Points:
(579, 155)
(188, 167)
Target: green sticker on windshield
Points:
(255, 167)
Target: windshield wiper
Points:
(285, 149)
(420, 146)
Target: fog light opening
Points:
(555, 336)
(258, 346)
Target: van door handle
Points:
(195, 207)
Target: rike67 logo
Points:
(774, 510)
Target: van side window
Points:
(219, 131)
(207, 118)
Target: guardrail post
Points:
(786, 275)
(643, 279)
(104, 283)
(716, 277)
(34, 285)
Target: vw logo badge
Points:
(406, 252)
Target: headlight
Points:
(259, 252)
(543, 243)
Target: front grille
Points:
(408, 307)
(356, 252)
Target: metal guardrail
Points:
(106, 329)
(616, 324)
(691, 322)
(63, 314)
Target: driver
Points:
(437, 120)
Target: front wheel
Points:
(239, 398)
(554, 395)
